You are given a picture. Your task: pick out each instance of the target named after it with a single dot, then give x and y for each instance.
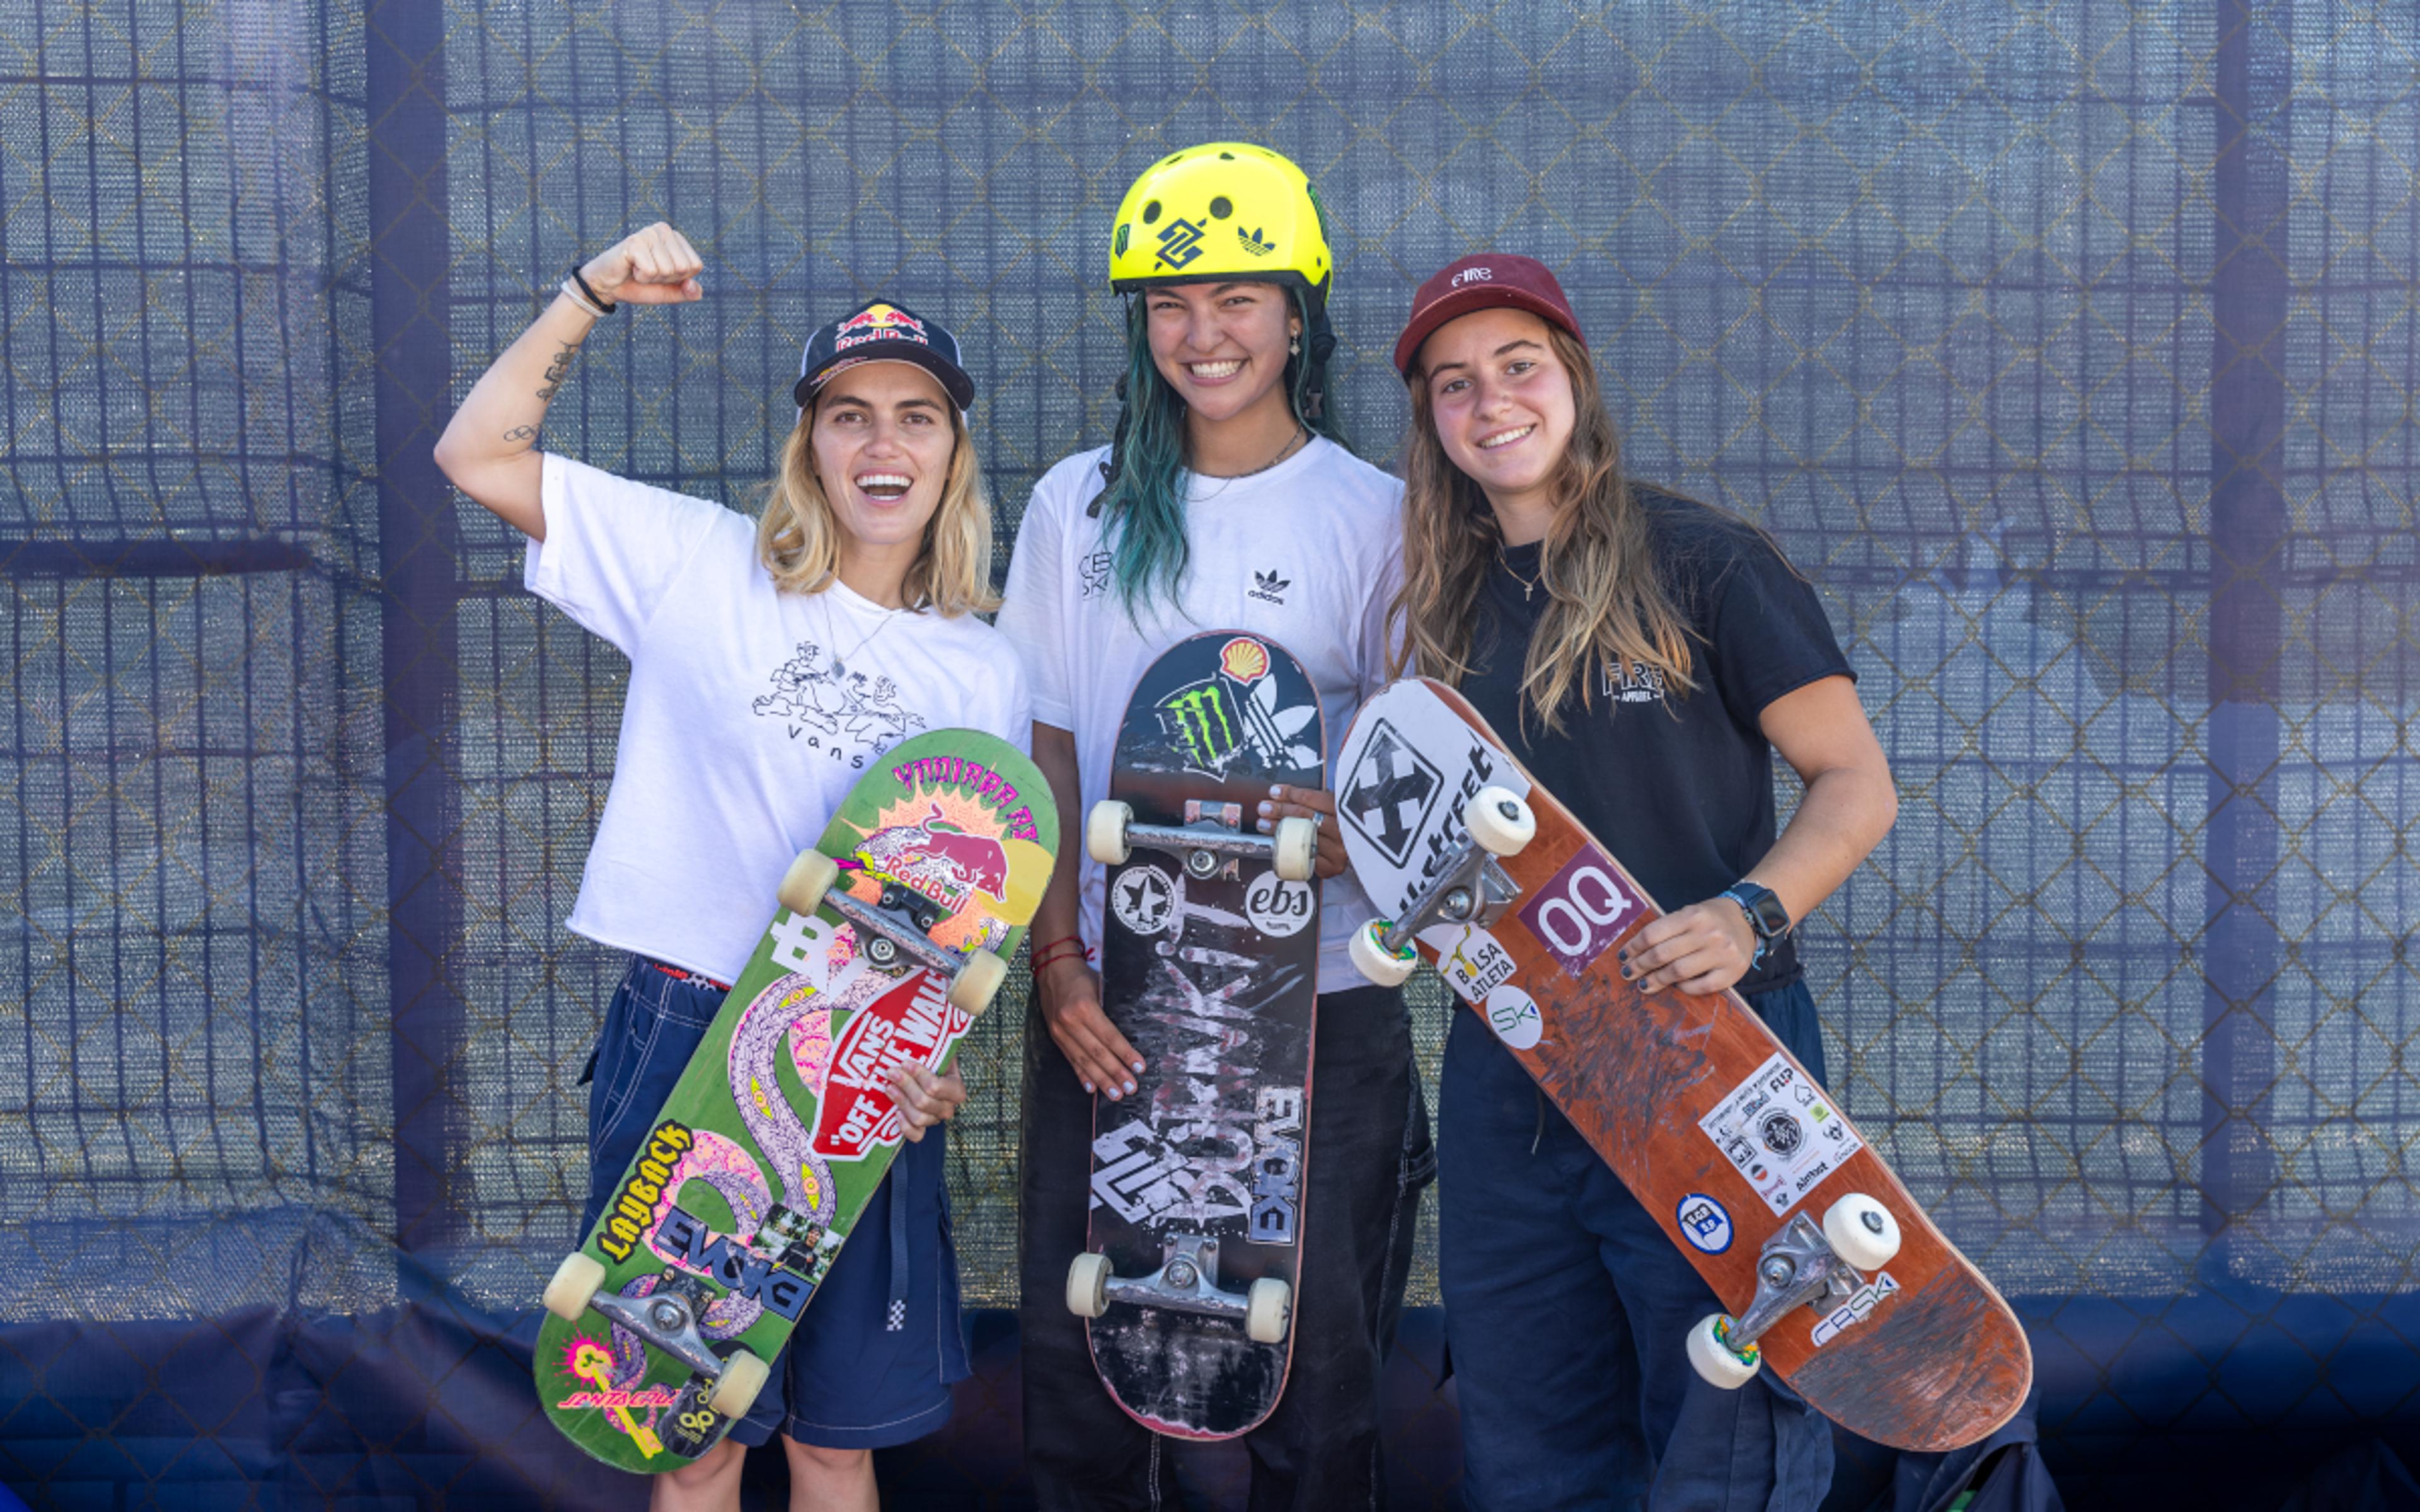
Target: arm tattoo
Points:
(521, 433)
(556, 370)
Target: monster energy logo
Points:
(1201, 722)
(1180, 243)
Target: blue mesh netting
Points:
(2070, 349)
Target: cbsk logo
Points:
(1854, 1310)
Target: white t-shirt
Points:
(1308, 553)
(749, 713)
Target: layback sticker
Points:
(1781, 1132)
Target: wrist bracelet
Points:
(596, 311)
(609, 306)
(1051, 958)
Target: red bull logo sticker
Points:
(914, 1021)
(881, 318)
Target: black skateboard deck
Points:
(1209, 967)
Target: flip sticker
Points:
(1781, 1132)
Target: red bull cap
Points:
(883, 331)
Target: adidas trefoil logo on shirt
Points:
(1270, 587)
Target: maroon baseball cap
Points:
(1484, 281)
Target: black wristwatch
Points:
(1765, 915)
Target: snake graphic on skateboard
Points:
(1209, 967)
(891, 934)
(1832, 1274)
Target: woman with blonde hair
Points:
(770, 663)
(1644, 656)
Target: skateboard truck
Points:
(665, 1319)
(897, 927)
(1184, 1283)
(1210, 842)
(1472, 888)
(1802, 1265)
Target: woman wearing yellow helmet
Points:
(1226, 501)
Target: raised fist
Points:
(653, 266)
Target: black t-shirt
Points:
(1679, 787)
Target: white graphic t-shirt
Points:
(1307, 554)
(749, 713)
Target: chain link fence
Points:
(2069, 348)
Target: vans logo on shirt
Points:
(1270, 588)
(1641, 684)
(845, 714)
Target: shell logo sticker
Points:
(1245, 660)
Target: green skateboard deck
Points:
(891, 936)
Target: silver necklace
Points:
(1283, 451)
(840, 665)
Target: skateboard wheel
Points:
(1297, 849)
(810, 877)
(1714, 1358)
(575, 1281)
(1269, 1311)
(1088, 1285)
(1861, 1232)
(743, 1376)
(1500, 823)
(978, 982)
(1105, 832)
(1376, 963)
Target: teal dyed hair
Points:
(1144, 491)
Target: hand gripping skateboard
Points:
(891, 936)
(1834, 1276)
(1209, 967)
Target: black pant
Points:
(1368, 1157)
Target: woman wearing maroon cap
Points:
(1644, 656)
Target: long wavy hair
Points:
(1607, 602)
(1143, 494)
(797, 535)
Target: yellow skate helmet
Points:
(1221, 211)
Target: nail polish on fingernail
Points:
(1087, 1087)
(1137, 1066)
(1129, 1087)
(1277, 790)
(1621, 955)
(1625, 973)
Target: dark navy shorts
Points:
(872, 1359)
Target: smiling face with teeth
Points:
(1502, 404)
(883, 441)
(1222, 347)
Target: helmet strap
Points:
(1323, 345)
(1117, 460)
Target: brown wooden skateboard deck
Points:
(1834, 1276)
(1209, 967)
